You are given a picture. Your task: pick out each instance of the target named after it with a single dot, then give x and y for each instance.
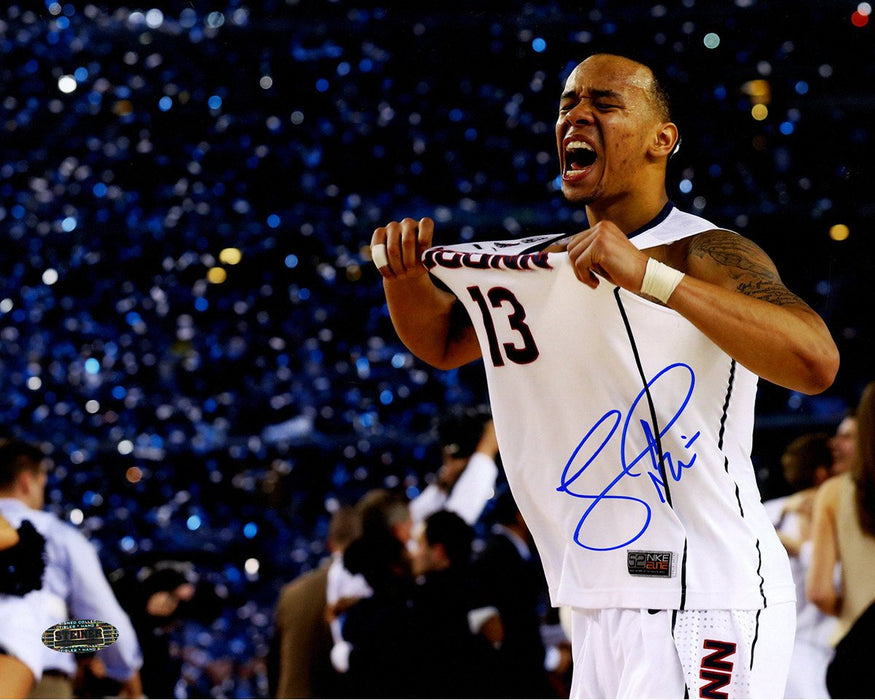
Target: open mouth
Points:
(579, 156)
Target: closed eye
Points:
(599, 105)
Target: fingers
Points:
(604, 252)
(580, 252)
(426, 233)
(396, 248)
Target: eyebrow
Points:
(594, 94)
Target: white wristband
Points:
(660, 280)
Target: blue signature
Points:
(647, 461)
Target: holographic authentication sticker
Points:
(80, 636)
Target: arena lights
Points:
(839, 232)
(251, 567)
(215, 20)
(860, 17)
(154, 18)
(67, 84)
(759, 112)
(759, 91)
(230, 256)
(216, 275)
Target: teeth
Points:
(577, 145)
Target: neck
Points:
(628, 213)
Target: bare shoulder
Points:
(735, 262)
(829, 492)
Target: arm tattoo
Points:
(772, 292)
(746, 264)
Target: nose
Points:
(580, 113)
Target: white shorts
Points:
(21, 631)
(687, 653)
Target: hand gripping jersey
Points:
(625, 432)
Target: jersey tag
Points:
(660, 564)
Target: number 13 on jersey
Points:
(520, 347)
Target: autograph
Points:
(636, 512)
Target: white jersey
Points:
(625, 432)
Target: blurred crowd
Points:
(439, 596)
(189, 322)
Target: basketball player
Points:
(622, 364)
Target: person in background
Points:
(844, 533)
(376, 651)
(302, 638)
(843, 444)
(384, 516)
(453, 660)
(806, 463)
(73, 577)
(509, 577)
(465, 482)
(159, 597)
(22, 565)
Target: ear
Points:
(25, 480)
(31, 484)
(665, 140)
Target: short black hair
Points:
(378, 556)
(449, 529)
(17, 456)
(662, 96)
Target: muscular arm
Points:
(732, 293)
(428, 320)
